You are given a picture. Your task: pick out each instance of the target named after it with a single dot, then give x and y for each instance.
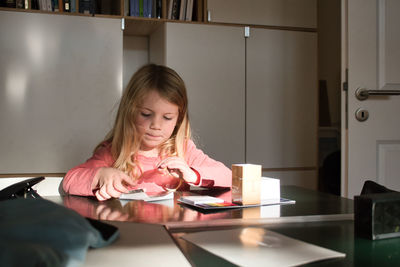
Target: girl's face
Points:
(156, 120)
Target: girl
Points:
(149, 146)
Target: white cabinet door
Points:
(60, 77)
(271, 120)
(282, 100)
(211, 61)
(374, 64)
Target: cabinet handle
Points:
(363, 94)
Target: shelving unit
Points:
(118, 7)
(115, 8)
(142, 26)
(138, 26)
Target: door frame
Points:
(344, 100)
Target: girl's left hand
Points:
(178, 168)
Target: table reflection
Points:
(159, 212)
(174, 215)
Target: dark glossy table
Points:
(317, 218)
(310, 206)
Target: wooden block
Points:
(246, 184)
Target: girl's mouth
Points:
(153, 136)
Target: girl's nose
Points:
(155, 123)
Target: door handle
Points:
(363, 94)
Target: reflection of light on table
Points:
(266, 211)
(251, 237)
(251, 213)
(273, 211)
(270, 211)
(255, 237)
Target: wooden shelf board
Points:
(146, 26)
(140, 26)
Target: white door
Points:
(372, 56)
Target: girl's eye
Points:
(145, 114)
(167, 118)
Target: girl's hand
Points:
(111, 182)
(178, 168)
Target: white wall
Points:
(135, 55)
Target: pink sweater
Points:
(79, 179)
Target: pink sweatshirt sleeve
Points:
(78, 180)
(212, 172)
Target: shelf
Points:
(108, 8)
(58, 13)
(146, 26)
(140, 26)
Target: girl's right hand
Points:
(110, 182)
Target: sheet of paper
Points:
(138, 245)
(149, 197)
(253, 246)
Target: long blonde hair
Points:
(123, 137)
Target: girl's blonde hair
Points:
(123, 137)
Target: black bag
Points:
(37, 232)
(21, 189)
